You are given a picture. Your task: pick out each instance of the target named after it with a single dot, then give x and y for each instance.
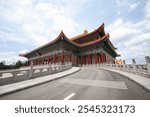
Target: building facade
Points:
(88, 48)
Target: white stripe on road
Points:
(70, 96)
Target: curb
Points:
(144, 87)
(32, 85)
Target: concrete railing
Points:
(143, 70)
(34, 71)
(140, 69)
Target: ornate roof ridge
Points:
(95, 41)
(86, 34)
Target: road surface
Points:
(87, 84)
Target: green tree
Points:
(19, 64)
(2, 65)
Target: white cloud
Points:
(37, 22)
(41, 21)
(132, 40)
(121, 2)
(125, 6)
(3, 45)
(147, 9)
(134, 5)
(6, 37)
(10, 57)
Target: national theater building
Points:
(88, 48)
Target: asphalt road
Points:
(87, 84)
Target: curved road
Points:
(87, 84)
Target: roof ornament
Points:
(62, 33)
(85, 31)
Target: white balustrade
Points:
(34, 71)
(140, 69)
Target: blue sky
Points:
(27, 24)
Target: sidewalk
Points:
(30, 83)
(140, 80)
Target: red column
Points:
(54, 58)
(101, 57)
(43, 60)
(62, 57)
(70, 57)
(89, 59)
(85, 59)
(39, 61)
(76, 60)
(48, 59)
(79, 61)
(33, 62)
(104, 58)
(66, 58)
(96, 60)
(82, 60)
(36, 62)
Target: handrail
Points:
(30, 71)
(140, 69)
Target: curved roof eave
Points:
(96, 41)
(61, 36)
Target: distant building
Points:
(88, 48)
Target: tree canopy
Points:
(18, 64)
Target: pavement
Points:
(140, 80)
(86, 84)
(33, 82)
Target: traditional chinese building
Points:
(88, 48)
